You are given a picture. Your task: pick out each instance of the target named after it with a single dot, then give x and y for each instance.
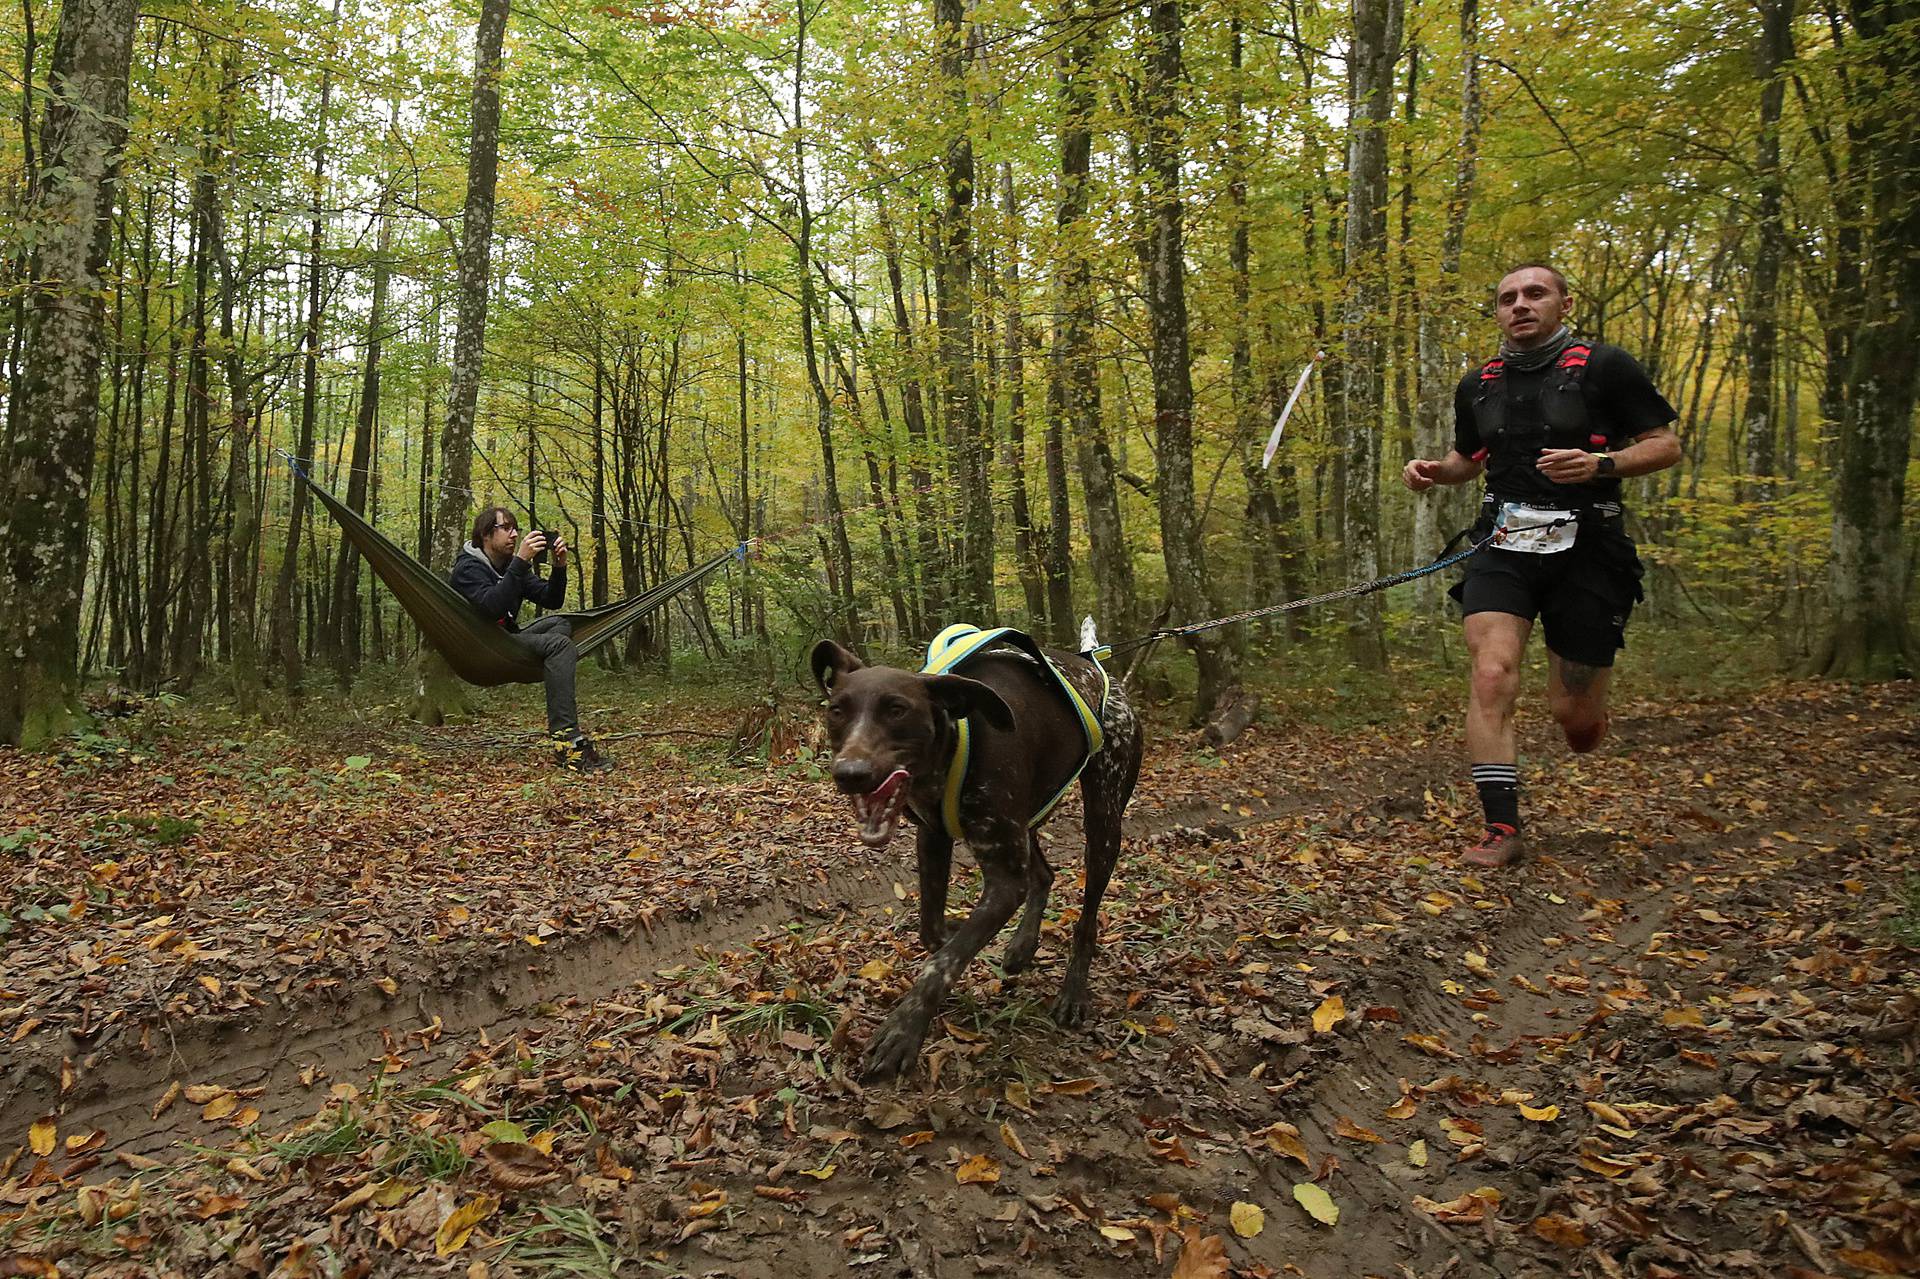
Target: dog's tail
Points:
(1089, 638)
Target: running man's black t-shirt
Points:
(1620, 399)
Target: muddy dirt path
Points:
(1682, 1042)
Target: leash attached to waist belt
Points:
(960, 642)
(1447, 558)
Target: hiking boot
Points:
(578, 754)
(1502, 845)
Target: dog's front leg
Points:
(1026, 938)
(933, 851)
(898, 1042)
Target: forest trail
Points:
(1681, 1043)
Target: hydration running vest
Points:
(1564, 421)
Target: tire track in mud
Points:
(493, 992)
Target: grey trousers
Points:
(551, 639)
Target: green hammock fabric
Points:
(479, 651)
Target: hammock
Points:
(479, 651)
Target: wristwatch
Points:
(1603, 464)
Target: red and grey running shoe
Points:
(1502, 845)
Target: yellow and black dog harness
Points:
(951, 649)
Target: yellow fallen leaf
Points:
(1331, 1012)
(1417, 1154)
(819, 1174)
(1247, 1219)
(1564, 1231)
(981, 1170)
(1609, 1115)
(1604, 1166)
(459, 915)
(1345, 1127)
(453, 1232)
(1284, 1139)
(1432, 1045)
(1318, 1203)
(1540, 1114)
(352, 1199)
(1119, 1234)
(876, 969)
(1011, 1140)
(42, 1135)
(1677, 1018)
(1477, 964)
(532, 940)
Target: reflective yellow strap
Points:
(956, 775)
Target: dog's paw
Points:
(1072, 1008)
(895, 1048)
(1019, 956)
(933, 939)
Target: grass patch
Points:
(568, 1241)
(1905, 926)
(341, 1134)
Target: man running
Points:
(1556, 423)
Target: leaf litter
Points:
(1677, 1048)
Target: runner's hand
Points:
(531, 545)
(1420, 474)
(1568, 466)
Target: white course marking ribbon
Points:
(1273, 441)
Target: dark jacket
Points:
(499, 595)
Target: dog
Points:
(894, 736)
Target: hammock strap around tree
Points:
(480, 651)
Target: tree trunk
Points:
(931, 598)
(243, 657)
(1269, 550)
(1026, 551)
(1376, 37)
(974, 597)
(1445, 299)
(282, 639)
(1180, 533)
(1761, 309)
(846, 620)
(438, 691)
(346, 568)
(1868, 572)
(44, 531)
(1076, 374)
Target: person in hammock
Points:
(495, 571)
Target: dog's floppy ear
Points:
(830, 662)
(961, 698)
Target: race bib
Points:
(1536, 530)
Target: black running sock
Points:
(1499, 787)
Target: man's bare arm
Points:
(1456, 467)
(1650, 451)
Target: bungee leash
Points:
(1447, 557)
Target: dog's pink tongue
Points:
(879, 809)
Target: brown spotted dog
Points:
(894, 734)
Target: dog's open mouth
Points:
(879, 809)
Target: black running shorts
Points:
(1582, 596)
